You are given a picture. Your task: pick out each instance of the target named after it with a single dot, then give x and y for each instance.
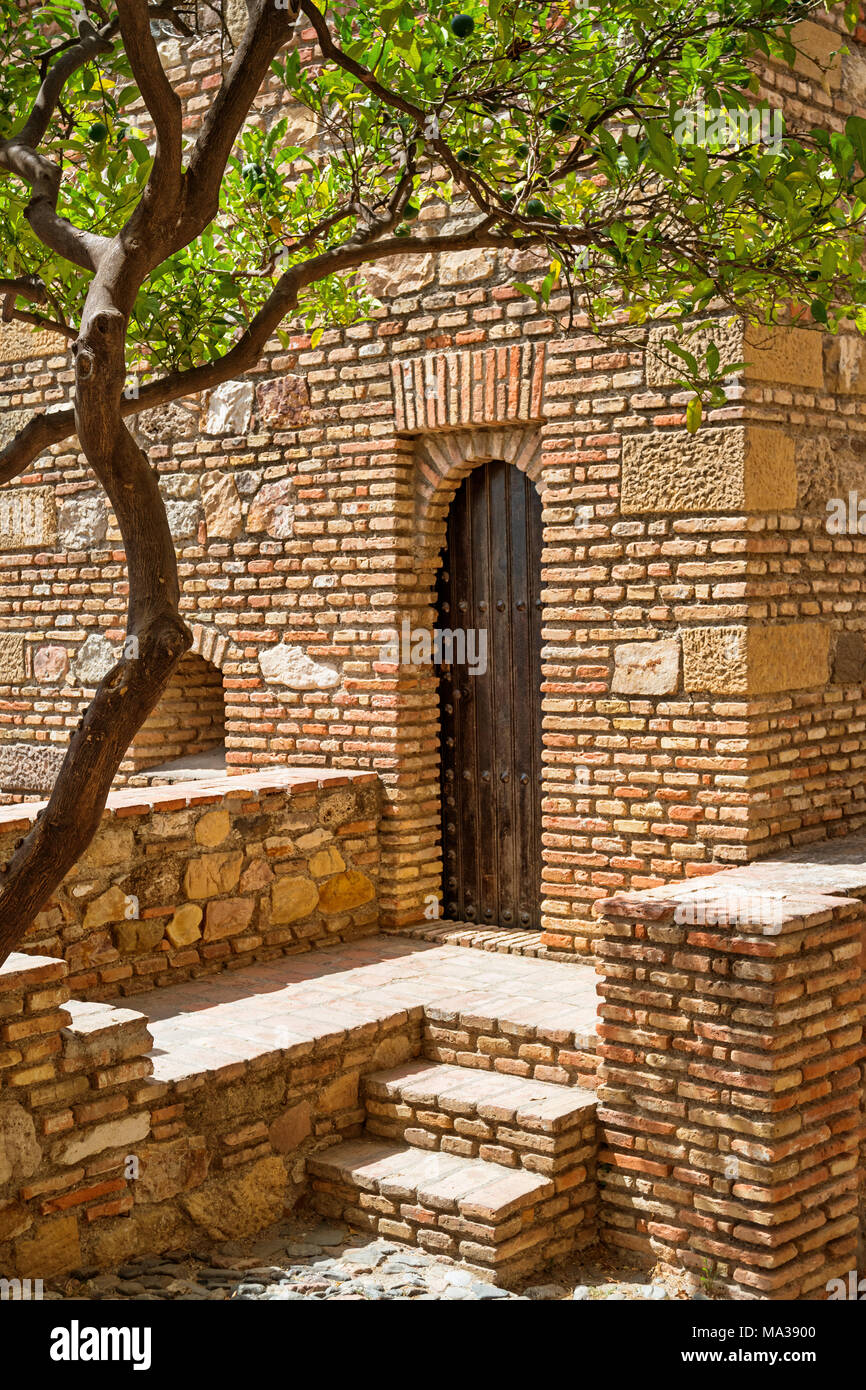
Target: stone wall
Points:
(189, 719)
(193, 878)
(100, 1160)
(704, 636)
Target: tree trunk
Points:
(156, 636)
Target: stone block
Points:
(290, 666)
(757, 660)
(229, 917)
(273, 509)
(345, 891)
(399, 275)
(168, 1169)
(117, 1134)
(818, 58)
(29, 767)
(212, 828)
(849, 659)
(52, 1247)
(240, 1204)
(111, 906)
(222, 506)
(292, 898)
(284, 404)
(325, 862)
(18, 343)
(185, 926)
(213, 875)
(12, 668)
(781, 355)
(291, 1128)
(647, 668)
(740, 468)
(20, 1152)
(28, 517)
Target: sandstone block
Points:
(740, 468)
(117, 1134)
(292, 898)
(291, 1128)
(20, 1152)
(12, 670)
(185, 926)
(759, 660)
(51, 1247)
(212, 828)
(222, 506)
(783, 355)
(346, 891)
(239, 1205)
(213, 875)
(18, 343)
(647, 668)
(325, 862)
(111, 906)
(228, 918)
(28, 517)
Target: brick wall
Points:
(730, 1084)
(194, 878)
(700, 703)
(100, 1160)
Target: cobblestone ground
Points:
(308, 1258)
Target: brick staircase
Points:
(492, 1170)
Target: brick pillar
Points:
(730, 1087)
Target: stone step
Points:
(502, 1224)
(503, 1119)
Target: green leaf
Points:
(694, 414)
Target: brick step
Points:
(507, 1120)
(502, 1224)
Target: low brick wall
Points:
(99, 1159)
(730, 1079)
(199, 876)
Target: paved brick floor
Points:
(231, 1017)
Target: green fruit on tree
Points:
(467, 156)
(522, 152)
(558, 122)
(535, 208)
(462, 25)
(402, 230)
(97, 132)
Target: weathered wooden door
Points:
(491, 709)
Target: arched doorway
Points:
(490, 700)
